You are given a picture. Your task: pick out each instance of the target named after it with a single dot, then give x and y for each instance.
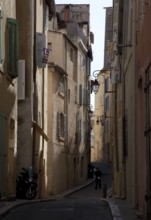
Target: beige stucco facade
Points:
(46, 119)
(98, 125)
(103, 118)
(130, 70)
(8, 108)
(70, 154)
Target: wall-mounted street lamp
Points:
(94, 83)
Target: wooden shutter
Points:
(12, 47)
(40, 45)
(85, 96)
(58, 125)
(80, 94)
(21, 79)
(65, 125)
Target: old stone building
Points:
(103, 116)
(8, 96)
(69, 68)
(45, 94)
(130, 73)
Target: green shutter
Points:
(12, 47)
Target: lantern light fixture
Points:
(94, 83)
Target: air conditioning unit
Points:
(21, 80)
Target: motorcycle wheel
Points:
(31, 194)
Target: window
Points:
(85, 96)
(106, 107)
(82, 61)
(47, 18)
(50, 46)
(61, 89)
(75, 93)
(68, 95)
(61, 126)
(80, 94)
(40, 46)
(12, 47)
(71, 54)
(78, 135)
(106, 84)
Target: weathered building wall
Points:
(143, 60)
(25, 107)
(8, 106)
(32, 109)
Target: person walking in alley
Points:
(98, 175)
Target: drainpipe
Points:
(115, 130)
(34, 82)
(43, 90)
(66, 112)
(123, 136)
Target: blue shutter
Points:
(12, 47)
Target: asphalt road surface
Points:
(64, 209)
(85, 204)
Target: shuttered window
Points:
(80, 94)
(40, 46)
(78, 134)
(85, 97)
(61, 130)
(12, 47)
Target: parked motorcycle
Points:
(26, 183)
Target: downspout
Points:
(116, 122)
(43, 91)
(34, 81)
(123, 137)
(66, 112)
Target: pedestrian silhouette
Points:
(98, 175)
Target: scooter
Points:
(26, 183)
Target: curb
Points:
(116, 214)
